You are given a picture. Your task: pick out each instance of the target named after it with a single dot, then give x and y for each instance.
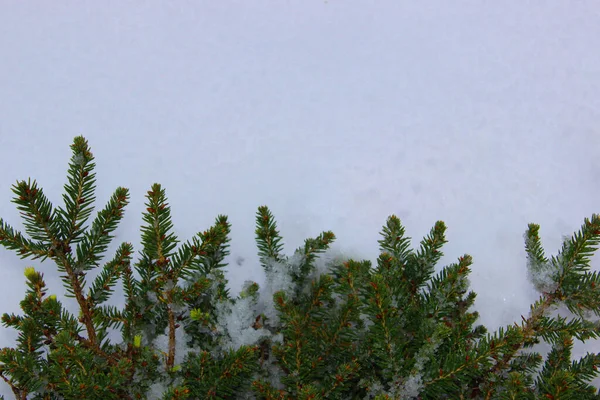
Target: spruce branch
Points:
(157, 240)
(565, 278)
(576, 252)
(96, 240)
(14, 240)
(312, 248)
(533, 245)
(268, 238)
(161, 267)
(386, 325)
(213, 250)
(212, 378)
(394, 332)
(394, 242)
(215, 243)
(79, 192)
(130, 314)
(41, 317)
(421, 264)
(36, 210)
(101, 289)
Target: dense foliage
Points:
(339, 330)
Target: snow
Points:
(152, 296)
(334, 114)
(235, 320)
(543, 275)
(412, 386)
(169, 285)
(161, 343)
(277, 278)
(78, 160)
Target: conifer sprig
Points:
(101, 289)
(14, 240)
(95, 241)
(394, 241)
(38, 216)
(162, 268)
(565, 278)
(79, 192)
(312, 248)
(421, 264)
(268, 238)
(398, 331)
(533, 245)
(158, 240)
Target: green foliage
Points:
(394, 331)
(267, 237)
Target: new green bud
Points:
(195, 314)
(30, 273)
(198, 315)
(250, 288)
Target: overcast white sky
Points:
(335, 114)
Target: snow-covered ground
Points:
(334, 114)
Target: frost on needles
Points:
(319, 328)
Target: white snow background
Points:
(335, 114)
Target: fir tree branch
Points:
(14, 240)
(96, 240)
(386, 327)
(533, 245)
(158, 242)
(157, 239)
(421, 265)
(576, 252)
(394, 242)
(101, 289)
(131, 289)
(312, 247)
(186, 260)
(216, 245)
(36, 210)
(396, 332)
(214, 249)
(268, 238)
(79, 191)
